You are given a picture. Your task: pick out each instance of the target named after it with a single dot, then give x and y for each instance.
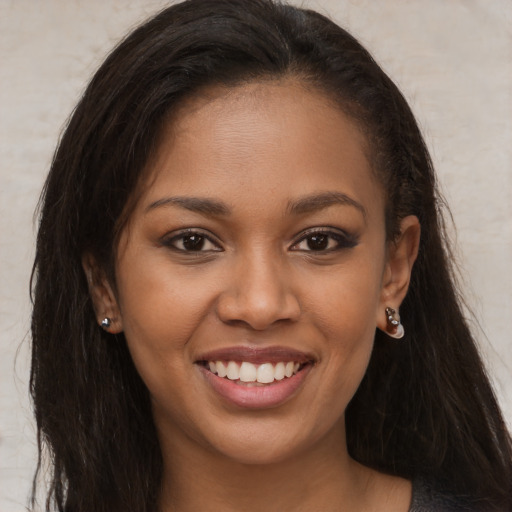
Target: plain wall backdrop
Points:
(452, 60)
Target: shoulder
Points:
(431, 496)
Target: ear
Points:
(102, 295)
(402, 254)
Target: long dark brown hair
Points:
(425, 407)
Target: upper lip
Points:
(256, 355)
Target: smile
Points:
(256, 378)
(247, 373)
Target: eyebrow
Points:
(316, 202)
(196, 204)
(307, 204)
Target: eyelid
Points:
(344, 239)
(169, 238)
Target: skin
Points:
(258, 149)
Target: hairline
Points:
(293, 75)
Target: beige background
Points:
(451, 58)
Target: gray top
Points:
(427, 497)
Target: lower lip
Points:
(256, 397)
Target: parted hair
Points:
(425, 407)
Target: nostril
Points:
(257, 308)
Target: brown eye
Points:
(318, 242)
(325, 241)
(191, 241)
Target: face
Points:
(257, 250)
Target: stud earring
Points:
(106, 323)
(395, 327)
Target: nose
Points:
(258, 294)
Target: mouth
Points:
(255, 378)
(245, 373)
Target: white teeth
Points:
(279, 371)
(265, 373)
(221, 369)
(247, 372)
(233, 371)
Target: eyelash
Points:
(342, 241)
(190, 233)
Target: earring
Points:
(395, 327)
(106, 323)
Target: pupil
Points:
(318, 242)
(193, 242)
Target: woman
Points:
(240, 219)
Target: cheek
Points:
(345, 308)
(158, 322)
(345, 302)
(157, 304)
(160, 311)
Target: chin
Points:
(252, 453)
(257, 445)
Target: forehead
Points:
(278, 138)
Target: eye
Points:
(191, 241)
(321, 240)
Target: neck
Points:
(323, 477)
